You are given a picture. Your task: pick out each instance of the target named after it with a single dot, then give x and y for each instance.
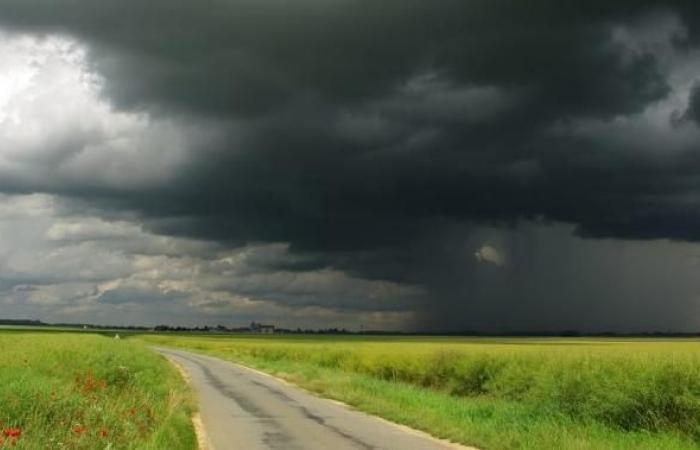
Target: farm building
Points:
(262, 328)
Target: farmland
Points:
(493, 393)
(84, 391)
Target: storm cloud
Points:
(495, 165)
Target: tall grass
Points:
(644, 388)
(68, 391)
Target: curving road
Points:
(245, 409)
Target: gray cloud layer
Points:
(378, 140)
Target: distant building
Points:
(267, 329)
(261, 328)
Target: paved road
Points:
(244, 409)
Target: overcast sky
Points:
(480, 165)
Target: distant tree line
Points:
(255, 327)
(18, 322)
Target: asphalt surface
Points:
(244, 409)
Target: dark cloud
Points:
(693, 111)
(131, 295)
(374, 137)
(24, 288)
(245, 56)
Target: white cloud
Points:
(90, 229)
(55, 129)
(23, 206)
(488, 254)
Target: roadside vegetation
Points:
(494, 393)
(84, 391)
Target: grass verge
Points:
(82, 391)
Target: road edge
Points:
(197, 423)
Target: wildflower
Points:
(12, 432)
(104, 433)
(79, 429)
(11, 435)
(88, 383)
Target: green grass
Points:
(495, 393)
(83, 391)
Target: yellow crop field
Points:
(532, 393)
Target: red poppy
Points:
(104, 433)
(12, 432)
(79, 429)
(12, 435)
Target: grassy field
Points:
(84, 391)
(495, 393)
